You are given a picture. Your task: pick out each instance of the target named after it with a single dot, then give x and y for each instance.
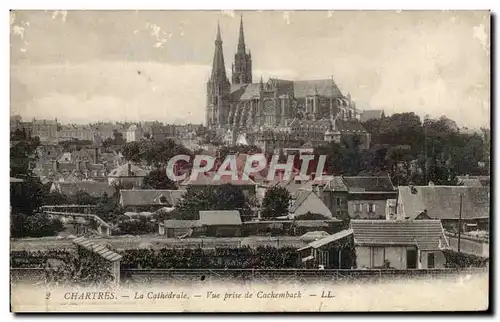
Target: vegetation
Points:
(141, 226)
(276, 202)
(223, 197)
(153, 153)
(410, 151)
(243, 257)
(158, 179)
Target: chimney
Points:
(129, 169)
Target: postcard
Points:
(249, 161)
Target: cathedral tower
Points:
(242, 67)
(218, 88)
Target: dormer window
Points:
(163, 199)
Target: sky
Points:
(85, 66)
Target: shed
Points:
(221, 223)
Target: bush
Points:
(36, 225)
(218, 258)
(140, 226)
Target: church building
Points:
(293, 107)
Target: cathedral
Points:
(292, 107)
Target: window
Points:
(430, 260)
(338, 201)
(163, 199)
(358, 207)
(370, 207)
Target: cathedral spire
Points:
(241, 39)
(218, 66)
(242, 70)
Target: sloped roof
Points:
(95, 189)
(349, 126)
(251, 91)
(15, 180)
(208, 179)
(323, 87)
(150, 197)
(425, 234)
(297, 89)
(368, 184)
(220, 217)
(443, 202)
(314, 204)
(317, 234)
(122, 171)
(98, 249)
(336, 184)
(174, 223)
(370, 115)
(331, 238)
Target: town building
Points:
(448, 204)
(399, 244)
(46, 130)
(71, 189)
(75, 132)
(358, 197)
(308, 202)
(134, 133)
(127, 174)
(220, 223)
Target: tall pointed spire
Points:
(219, 38)
(242, 70)
(241, 39)
(218, 66)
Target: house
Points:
(445, 203)
(141, 200)
(399, 244)
(358, 197)
(177, 228)
(309, 202)
(71, 171)
(220, 223)
(134, 133)
(94, 189)
(127, 174)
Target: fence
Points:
(283, 275)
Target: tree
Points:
(158, 179)
(223, 197)
(22, 153)
(276, 202)
(132, 151)
(84, 198)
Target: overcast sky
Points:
(82, 66)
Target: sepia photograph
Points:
(250, 161)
